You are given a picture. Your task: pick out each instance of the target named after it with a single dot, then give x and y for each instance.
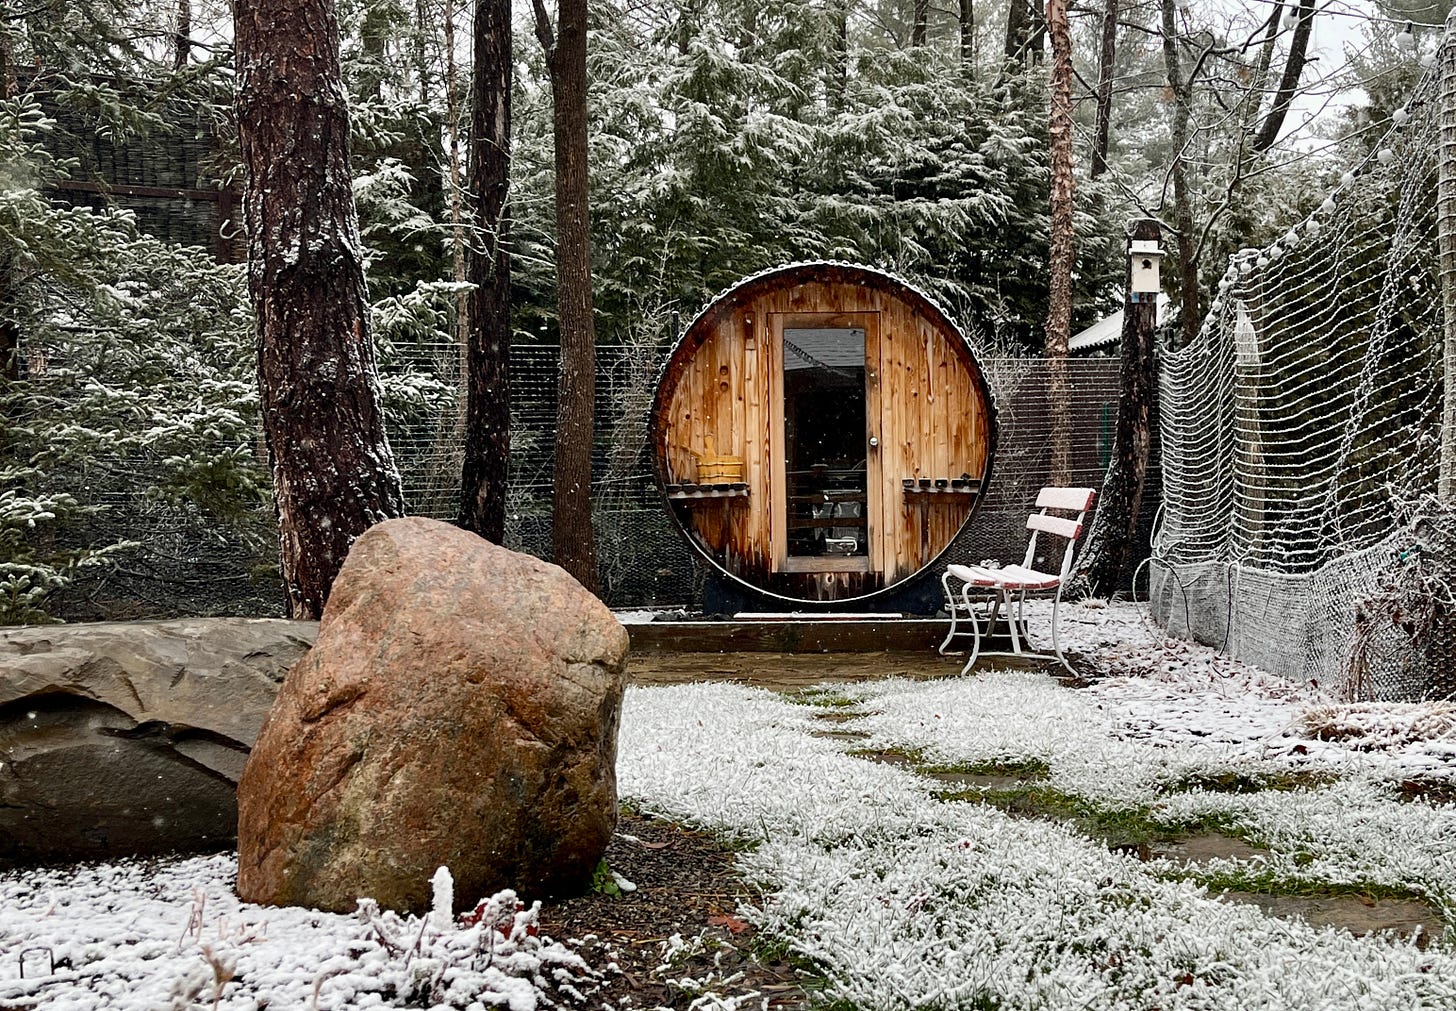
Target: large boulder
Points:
(125, 738)
(459, 708)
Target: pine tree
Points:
(488, 410)
(333, 471)
(573, 543)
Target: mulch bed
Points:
(686, 886)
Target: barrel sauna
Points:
(821, 432)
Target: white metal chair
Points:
(988, 589)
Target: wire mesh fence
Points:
(184, 563)
(1301, 440)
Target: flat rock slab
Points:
(1200, 849)
(127, 738)
(215, 674)
(989, 782)
(840, 735)
(1360, 916)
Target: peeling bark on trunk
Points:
(573, 544)
(333, 472)
(1063, 253)
(1108, 553)
(1106, 67)
(1190, 308)
(488, 340)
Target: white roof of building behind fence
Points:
(1106, 331)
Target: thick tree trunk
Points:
(968, 34)
(1036, 40)
(1017, 31)
(1063, 253)
(1190, 301)
(921, 27)
(333, 472)
(1109, 545)
(488, 341)
(9, 326)
(1446, 252)
(838, 83)
(1106, 68)
(9, 286)
(1289, 81)
(182, 37)
(573, 545)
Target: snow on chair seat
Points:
(994, 587)
(1012, 577)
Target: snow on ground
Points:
(1152, 742)
(909, 901)
(904, 899)
(170, 934)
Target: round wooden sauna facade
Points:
(821, 433)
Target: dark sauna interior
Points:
(824, 435)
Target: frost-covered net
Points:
(1300, 436)
(183, 562)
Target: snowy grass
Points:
(901, 898)
(907, 901)
(1195, 717)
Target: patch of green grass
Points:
(1017, 768)
(1237, 781)
(892, 755)
(1118, 828)
(1260, 877)
(821, 698)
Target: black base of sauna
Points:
(919, 595)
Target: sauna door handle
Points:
(874, 442)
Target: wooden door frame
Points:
(778, 322)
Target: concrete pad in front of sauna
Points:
(1358, 914)
(786, 671)
(791, 671)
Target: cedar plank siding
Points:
(722, 393)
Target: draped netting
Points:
(1301, 436)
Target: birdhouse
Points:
(1146, 255)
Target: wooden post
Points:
(1446, 237)
(1109, 545)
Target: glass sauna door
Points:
(825, 454)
